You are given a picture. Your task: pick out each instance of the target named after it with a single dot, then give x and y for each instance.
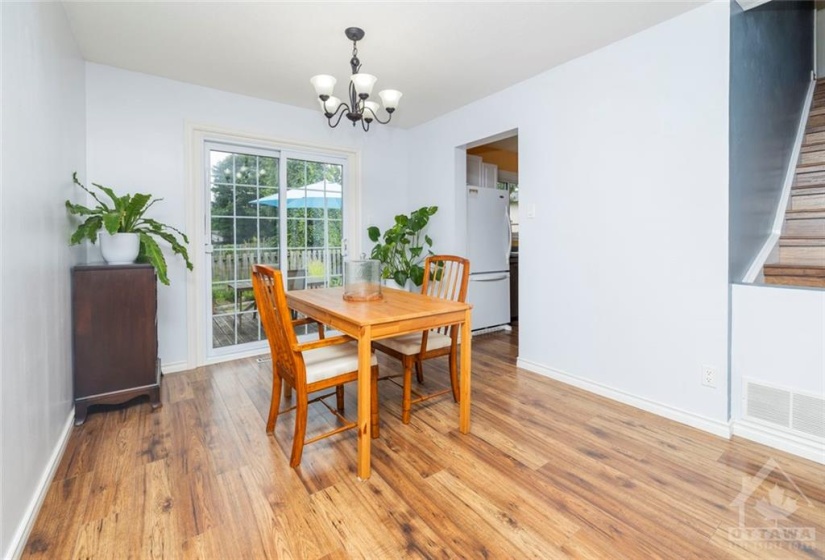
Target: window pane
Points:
(246, 169)
(223, 232)
(246, 201)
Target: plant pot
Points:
(120, 248)
(409, 286)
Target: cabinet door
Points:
(115, 341)
(489, 175)
(474, 165)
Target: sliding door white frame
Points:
(196, 137)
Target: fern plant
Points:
(125, 214)
(402, 251)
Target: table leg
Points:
(364, 400)
(464, 383)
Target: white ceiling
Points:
(441, 55)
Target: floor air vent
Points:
(800, 413)
(809, 415)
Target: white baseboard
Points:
(715, 427)
(173, 367)
(780, 439)
(21, 535)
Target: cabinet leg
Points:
(80, 410)
(154, 398)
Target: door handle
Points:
(490, 278)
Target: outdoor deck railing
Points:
(304, 262)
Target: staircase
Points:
(800, 258)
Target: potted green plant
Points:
(127, 235)
(401, 248)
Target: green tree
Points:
(238, 180)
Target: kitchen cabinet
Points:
(114, 335)
(474, 170)
(489, 175)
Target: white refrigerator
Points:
(488, 240)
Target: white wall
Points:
(778, 338)
(43, 141)
(624, 153)
(135, 125)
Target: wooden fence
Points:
(300, 262)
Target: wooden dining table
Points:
(398, 312)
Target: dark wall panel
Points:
(771, 59)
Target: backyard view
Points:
(246, 228)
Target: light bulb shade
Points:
(330, 105)
(371, 110)
(323, 84)
(390, 98)
(363, 83)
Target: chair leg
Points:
(339, 398)
(419, 370)
(287, 391)
(300, 429)
(405, 403)
(374, 403)
(275, 403)
(454, 373)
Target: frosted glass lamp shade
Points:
(390, 98)
(363, 84)
(331, 105)
(371, 110)
(323, 84)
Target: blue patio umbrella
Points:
(316, 195)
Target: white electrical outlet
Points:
(709, 375)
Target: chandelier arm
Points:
(365, 125)
(389, 117)
(338, 112)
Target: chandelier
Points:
(357, 109)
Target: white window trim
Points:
(195, 135)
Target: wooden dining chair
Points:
(446, 277)
(305, 367)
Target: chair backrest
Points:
(446, 277)
(276, 319)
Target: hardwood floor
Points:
(548, 471)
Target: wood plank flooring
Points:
(549, 471)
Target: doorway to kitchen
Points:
(493, 231)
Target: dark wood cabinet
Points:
(115, 343)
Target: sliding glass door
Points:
(279, 208)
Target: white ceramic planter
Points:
(120, 248)
(409, 286)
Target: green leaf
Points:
(428, 240)
(177, 247)
(134, 210)
(111, 195)
(401, 220)
(400, 277)
(152, 254)
(417, 274)
(374, 233)
(93, 195)
(80, 210)
(111, 222)
(87, 230)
